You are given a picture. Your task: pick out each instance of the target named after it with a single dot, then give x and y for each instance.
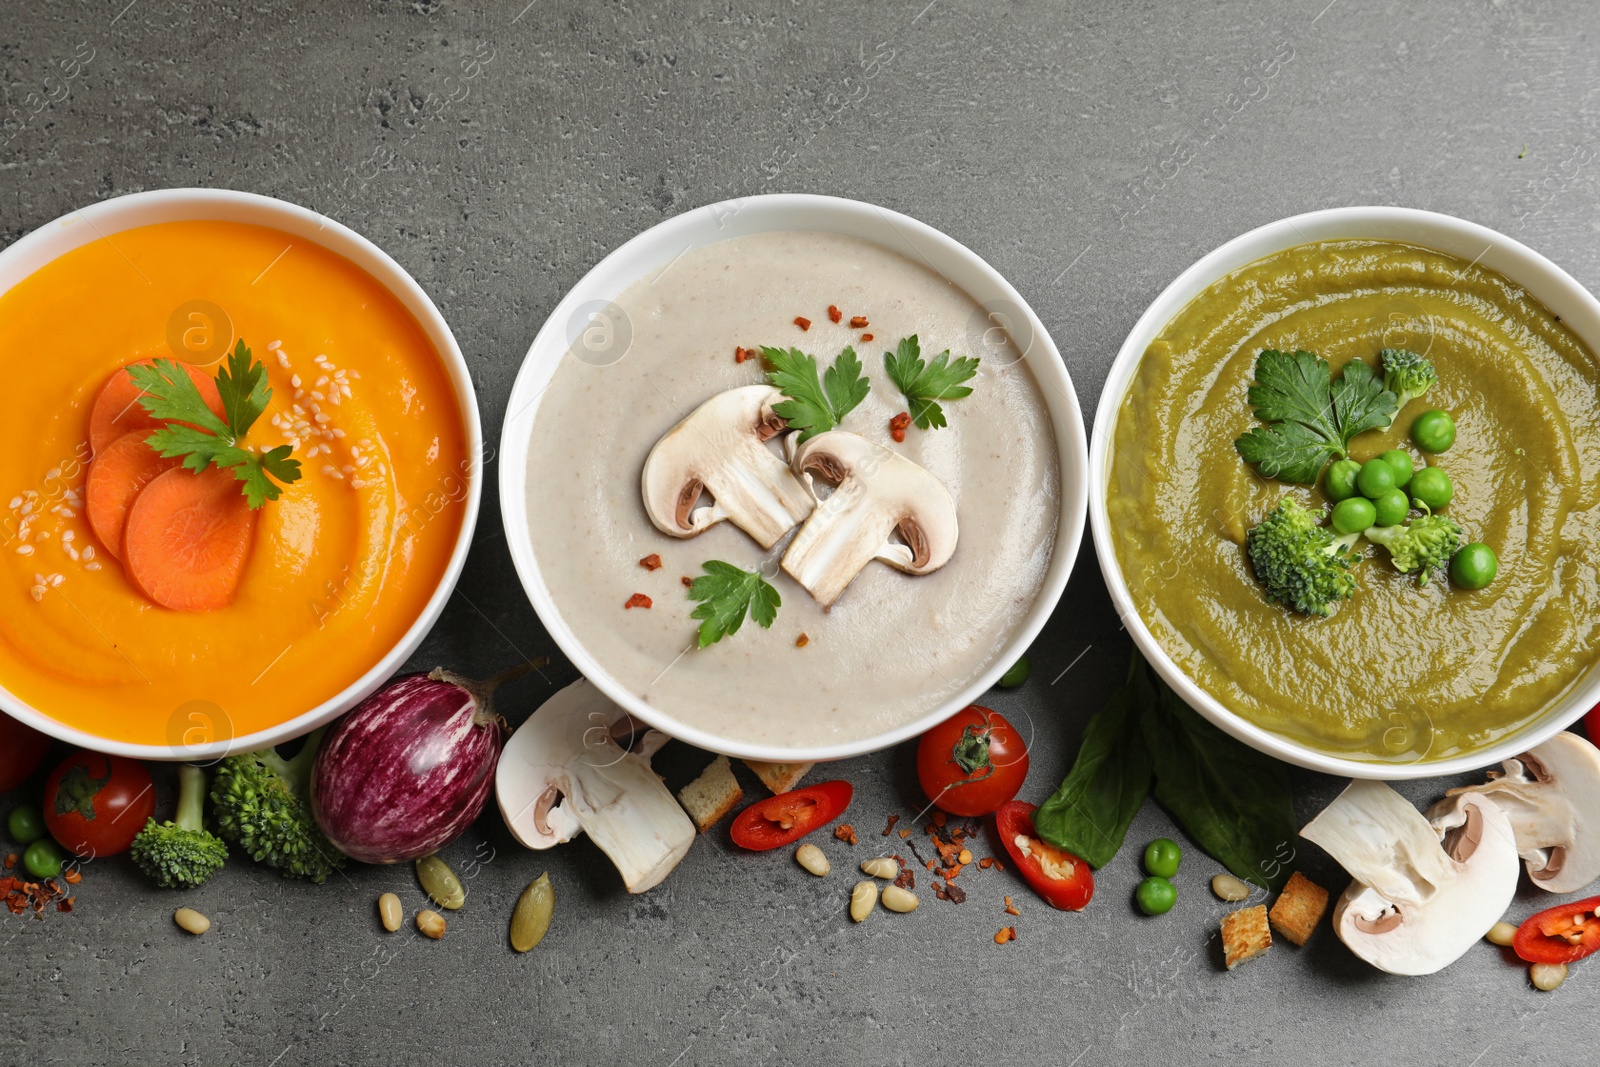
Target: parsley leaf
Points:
(922, 384)
(727, 592)
(1311, 415)
(200, 438)
(815, 405)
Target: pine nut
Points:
(811, 858)
(1227, 887)
(897, 899)
(191, 921)
(390, 912)
(881, 867)
(1501, 934)
(863, 898)
(431, 923)
(1547, 976)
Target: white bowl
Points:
(110, 217)
(659, 246)
(1545, 281)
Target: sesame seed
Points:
(283, 361)
(27, 508)
(357, 483)
(91, 566)
(68, 536)
(37, 592)
(24, 550)
(348, 469)
(318, 394)
(328, 469)
(72, 553)
(298, 393)
(321, 417)
(16, 502)
(56, 579)
(88, 553)
(295, 381)
(338, 433)
(44, 535)
(274, 345)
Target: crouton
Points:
(1298, 908)
(1245, 935)
(779, 777)
(712, 795)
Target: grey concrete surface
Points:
(1090, 151)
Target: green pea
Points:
(1432, 487)
(1400, 460)
(1434, 431)
(43, 858)
(1392, 508)
(1162, 856)
(1340, 481)
(1474, 566)
(1354, 515)
(1017, 674)
(1376, 478)
(1156, 896)
(25, 824)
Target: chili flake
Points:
(802, 641)
(865, 338)
(1007, 933)
(740, 354)
(845, 832)
(898, 424)
(985, 863)
(1011, 909)
(73, 876)
(637, 600)
(802, 322)
(905, 832)
(686, 580)
(11, 860)
(858, 322)
(888, 829)
(652, 562)
(834, 314)
(906, 879)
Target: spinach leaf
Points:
(1089, 815)
(1236, 803)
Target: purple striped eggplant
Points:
(410, 767)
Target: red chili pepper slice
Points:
(1063, 880)
(1562, 934)
(787, 817)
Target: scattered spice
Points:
(859, 322)
(21, 896)
(802, 322)
(834, 314)
(11, 860)
(998, 865)
(802, 641)
(907, 878)
(686, 580)
(1007, 933)
(905, 832)
(888, 829)
(637, 600)
(985, 863)
(1011, 909)
(940, 818)
(652, 562)
(865, 338)
(845, 832)
(73, 876)
(898, 424)
(66, 905)
(966, 856)
(953, 893)
(740, 354)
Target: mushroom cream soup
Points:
(893, 645)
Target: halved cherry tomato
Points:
(777, 821)
(22, 749)
(1062, 879)
(95, 804)
(1591, 725)
(971, 763)
(1561, 934)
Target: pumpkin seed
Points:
(191, 920)
(531, 918)
(441, 883)
(390, 911)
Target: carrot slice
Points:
(187, 539)
(117, 410)
(116, 476)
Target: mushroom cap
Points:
(1423, 893)
(720, 448)
(1551, 795)
(877, 493)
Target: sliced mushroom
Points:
(877, 493)
(1551, 794)
(1424, 893)
(563, 773)
(720, 449)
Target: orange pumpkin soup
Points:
(339, 566)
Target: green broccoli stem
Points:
(296, 772)
(191, 797)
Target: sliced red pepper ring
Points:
(1061, 879)
(787, 817)
(1562, 934)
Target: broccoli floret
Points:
(180, 854)
(1423, 546)
(1300, 563)
(1406, 375)
(262, 804)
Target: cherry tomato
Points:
(787, 817)
(1062, 879)
(1554, 936)
(95, 804)
(1591, 725)
(22, 749)
(971, 763)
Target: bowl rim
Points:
(1544, 280)
(109, 217)
(627, 263)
